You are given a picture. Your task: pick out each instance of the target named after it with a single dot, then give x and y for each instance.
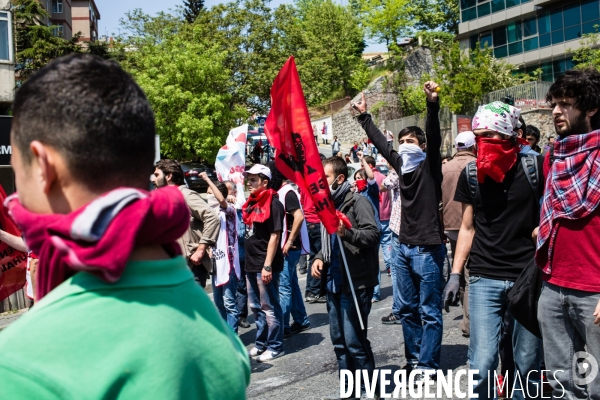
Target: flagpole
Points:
(362, 326)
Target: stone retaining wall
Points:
(541, 119)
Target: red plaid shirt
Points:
(572, 189)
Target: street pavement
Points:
(308, 370)
(8, 318)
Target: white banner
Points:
(231, 161)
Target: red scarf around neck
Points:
(495, 157)
(258, 208)
(64, 248)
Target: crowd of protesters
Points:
(512, 214)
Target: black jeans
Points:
(200, 274)
(242, 293)
(350, 343)
(313, 285)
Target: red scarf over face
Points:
(361, 185)
(258, 208)
(495, 157)
(99, 237)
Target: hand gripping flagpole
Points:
(346, 222)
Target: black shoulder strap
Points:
(473, 186)
(530, 166)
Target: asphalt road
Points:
(308, 370)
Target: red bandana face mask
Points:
(361, 185)
(495, 157)
(258, 208)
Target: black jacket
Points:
(361, 246)
(420, 190)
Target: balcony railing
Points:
(526, 96)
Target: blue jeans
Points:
(264, 303)
(488, 302)
(242, 293)
(386, 248)
(313, 285)
(567, 324)
(395, 270)
(350, 343)
(289, 292)
(225, 299)
(420, 286)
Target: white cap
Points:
(464, 140)
(258, 169)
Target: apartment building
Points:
(73, 16)
(529, 34)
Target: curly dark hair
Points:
(582, 85)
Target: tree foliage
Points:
(437, 15)
(188, 88)
(244, 32)
(588, 55)
(228, 58)
(191, 9)
(36, 43)
(258, 40)
(466, 76)
(332, 56)
(386, 21)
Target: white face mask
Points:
(212, 201)
(412, 156)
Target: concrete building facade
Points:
(529, 34)
(85, 19)
(73, 16)
(7, 57)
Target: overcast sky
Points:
(112, 10)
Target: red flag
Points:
(13, 263)
(290, 132)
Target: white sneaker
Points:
(255, 352)
(269, 355)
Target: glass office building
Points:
(529, 34)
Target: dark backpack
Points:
(523, 296)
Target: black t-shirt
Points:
(292, 203)
(420, 190)
(507, 214)
(257, 240)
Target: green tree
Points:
(191, 10)
(245, 32)
(332, 56)
(387, 21)
(437, 15)
(188, 88)
(588, 55)
(466, 76)
(140, 29)
(106, 51)
(36, 43)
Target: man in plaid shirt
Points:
(567, 242)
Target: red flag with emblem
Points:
(297, 156)
(13, 263)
